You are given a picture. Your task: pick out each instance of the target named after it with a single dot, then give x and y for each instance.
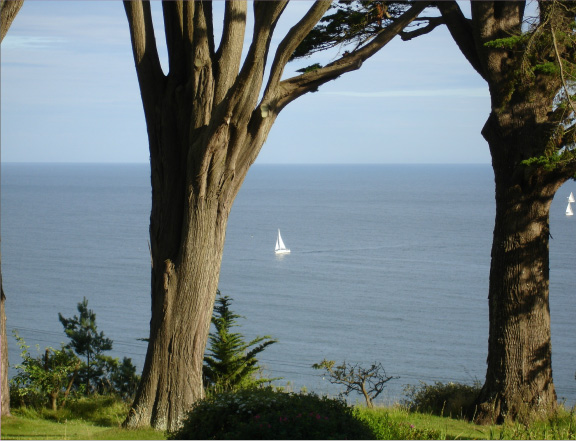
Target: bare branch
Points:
(143, 41)
(559, 60)
(8, 11)
(174, 29)
(200, 36)
(209, 19)
(247, 86)
(292, 39)
(460, 28)
(433, 23)
(229, 53)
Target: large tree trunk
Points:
(188, 221)
(8, 12)
(4, 348)
(205, 128)
(519, 374)
(529, 138)
(184, 288)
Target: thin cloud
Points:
(30, 42)
(462, 92)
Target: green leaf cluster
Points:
(43, 379)
(230, 362)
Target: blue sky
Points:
(69, 94)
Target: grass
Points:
(94, 418)
(37, 428)
(100, 418)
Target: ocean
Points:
(389, 264)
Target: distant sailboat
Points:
(571, 198)
(280, 247)
(569, 210)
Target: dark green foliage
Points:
(349, 22)
(85, 339)
(231, 362)
(452, 399)
(310, 68)
(124, 378)
(269, 414)
(114, 377)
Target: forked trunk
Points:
(519, 374)
(206, 124)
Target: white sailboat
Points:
(569, 210)
(571, 198)
(280, 247)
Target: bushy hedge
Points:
(451, 399)
(271, 414)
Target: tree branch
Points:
(291, 41)
(146, 58)
(559, 60)
(460, 28)
(200, 36)
(209, 19)
(8, 11)
(297, 86)
(174, 29)
(249, 81)
(433, 23)
(229, 53)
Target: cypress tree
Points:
(231, 362)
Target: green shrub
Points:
(271, 414)
(455, 400)
(230, 362)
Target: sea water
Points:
(389, 264)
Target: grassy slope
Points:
(38, 428)
(26, 425)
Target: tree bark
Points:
(5, 410)
(519, 366)
(8, 11)
(205, 129)
(521, 127)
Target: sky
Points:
(69, 93)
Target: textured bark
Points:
(5, 410)
(8, 11)
(205, 128)
(519, 374)
(519, 369)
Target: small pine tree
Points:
(231, 363)
(85, 339)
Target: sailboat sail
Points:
(280, 247)
(571, 198)
(569, 210)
